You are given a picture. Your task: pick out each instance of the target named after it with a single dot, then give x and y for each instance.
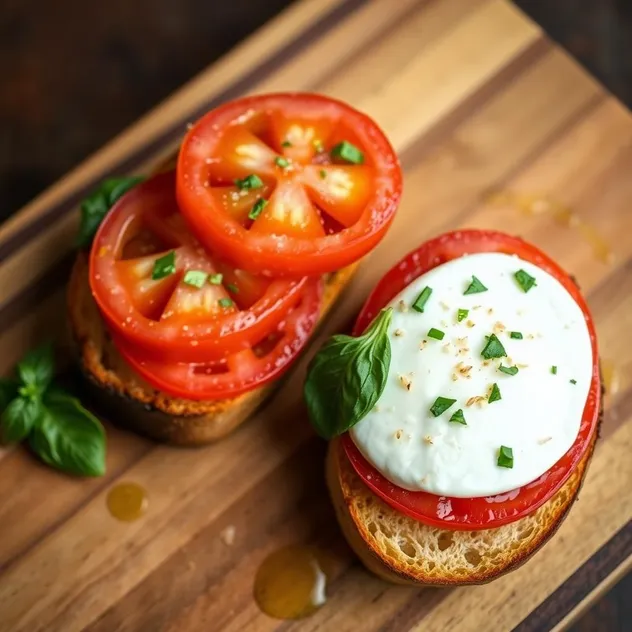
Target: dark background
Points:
(76, 72)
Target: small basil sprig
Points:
(96, 206)
(59, 430)
(347, 376)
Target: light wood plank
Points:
(474, 103)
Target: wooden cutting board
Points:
(476, 100)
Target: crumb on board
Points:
(227, 535)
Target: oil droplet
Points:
(291, 582)
(127, 501)
(611, 377)
(536, 205)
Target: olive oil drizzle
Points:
(291, 582)
(127, 501)
(611, 377)
(537, 204)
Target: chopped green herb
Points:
(231, 287)
(494, 396)
(554, 370)
(257, 209)
(458, 417)
(164, 266)
(462, 314)
(196, 278)
(252, 181)
(573, 381)
(282, 162)
(286, 143)
(441, 405)
(525, 280)
(508, 370)
(437, 334)
(216, 279)
(475, 287)
(347, 152)
(493, 348)
(422, 299)
(225, 302)
(323, 174)
(516, 335)
(505, 457)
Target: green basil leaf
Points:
(347, 376)
(8, 391)
(19, 418)
(96, 206)
(36, 369)
(68, 437)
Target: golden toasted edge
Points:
(348, 493)
(130, 402)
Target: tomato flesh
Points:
(169, 318)
(322, 212)
(493, 511)
(239, 372)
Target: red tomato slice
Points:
(493, 511)
(323, 212)
(240, 372)
(168, 318)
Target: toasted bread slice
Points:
(130, 402)
(402, 550)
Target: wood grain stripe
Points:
(581, 583)
(263, 68)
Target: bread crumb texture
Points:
(403, 550)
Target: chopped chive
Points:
(458, 417)
(196, 278)
(225, 302)
(437, 334)
(493, 348)
(216, 279)
(525, 280)
(461, 314)
(258, 207)
(231, 287)
(422, 299)
(282, 162)
(286, 143)
(505, 457)
(441, 405)
(573, 381)
(253, 181)
(508, 370)
(323, 174)
(164, 266)
(494, 396)
(516, 335)
(347, 152)
(475, 287)
(554, 370)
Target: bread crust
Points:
(129, 401)
(376, 532)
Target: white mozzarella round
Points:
(539, 413)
